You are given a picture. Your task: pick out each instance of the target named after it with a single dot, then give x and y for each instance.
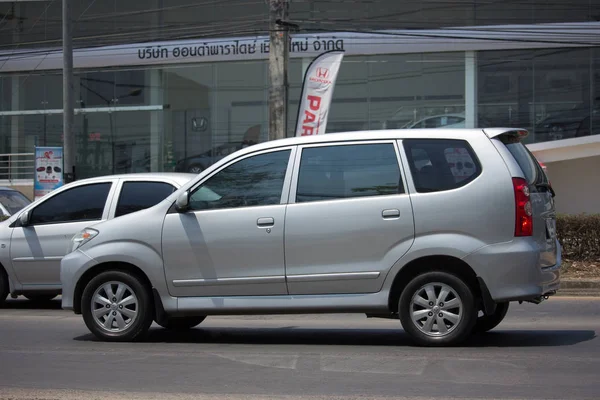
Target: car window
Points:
(82, 203)
(438, 164)
(13, 201)
(451, 120)
(253, 181)
(136, 196)
(433, 122)
(531, 168)
(338, 172)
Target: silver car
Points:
(34, 240)
(438, 228)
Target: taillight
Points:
(524, 212)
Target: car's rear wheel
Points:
(486, 323)
(3, 286)
(437, 309)
(181, 323)
(116, 306)
(40, 298)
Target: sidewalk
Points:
(579, 287)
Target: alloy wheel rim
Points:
(436, 309)
(114, 306)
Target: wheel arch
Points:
(107, 266)
(443, 263)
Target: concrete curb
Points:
(579, 287)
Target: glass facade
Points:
(553, 93)
(186, 117)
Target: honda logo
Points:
(322, 73)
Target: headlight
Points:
(82, 238)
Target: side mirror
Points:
(24, 218)
(183, 201)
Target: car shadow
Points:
(292, 335)
(24, 304)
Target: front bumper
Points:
(511, 271)
(72, 267)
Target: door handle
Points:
(392, 213)
(265, 222)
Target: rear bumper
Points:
(511, 271)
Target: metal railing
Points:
(17, 167)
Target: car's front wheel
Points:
(437, 309)
(116, 306)
(488, 322)
(181, 323)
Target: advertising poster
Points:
(317, 91)
(48, 170)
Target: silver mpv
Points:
(438, 228)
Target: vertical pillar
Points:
(471, 101)
(155, 88)
(68, 103)
(16, 120)
(278, 66)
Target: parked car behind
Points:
(34, 240)
(574, 123)
(378, 222)
(11, 201)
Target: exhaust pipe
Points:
(540, 299)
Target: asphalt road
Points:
(548, 351)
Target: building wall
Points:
(577, 185)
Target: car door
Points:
(37, 249)
(230, 240)
(349, 218)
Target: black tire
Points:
(181, 323)
(486, 323)
(137, 327)
(40, 298)
(3, 286)
(465, 318)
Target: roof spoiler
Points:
(515, 132)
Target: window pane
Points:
(337, 172)
(136, 196)
(253, 181)
(438, 165)
(84, 203)
(13, 201)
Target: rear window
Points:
(439, 164)
(531, 168)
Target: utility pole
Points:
(278, 68)
(68, 103)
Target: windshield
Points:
(13, 201)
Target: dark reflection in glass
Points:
(438, 165)
(548, 92)
(136, 196)
(83, 203)
(337, 172)
(253, 181)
